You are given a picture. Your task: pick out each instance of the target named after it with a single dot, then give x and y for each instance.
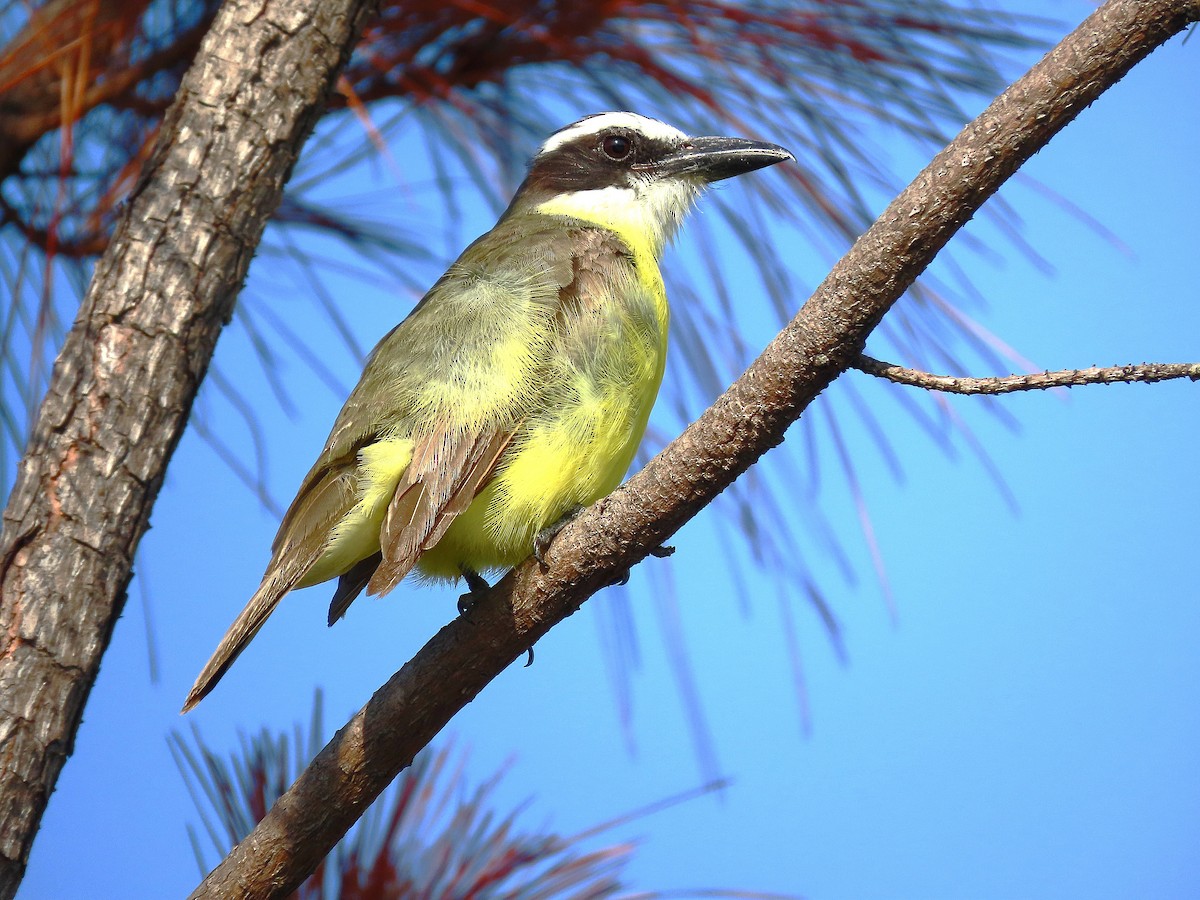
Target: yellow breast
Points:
(604, 382)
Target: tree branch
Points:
(749, 419)
(1040, 381)
(128, 372)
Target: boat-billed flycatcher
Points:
(516, 391)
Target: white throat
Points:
(646, 215)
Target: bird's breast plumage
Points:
(549, 332)
(598, 380)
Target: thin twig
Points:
(1147, 373)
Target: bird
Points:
(516, 391)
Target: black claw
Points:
(545, 537)
(529, 658)
(476, 587)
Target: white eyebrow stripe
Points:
(652, 128)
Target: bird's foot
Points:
(477, 586)
(545, 537)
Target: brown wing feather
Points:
(481, 465)
(437, 465)
(451, 471)
(408, 514)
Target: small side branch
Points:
(950, 384)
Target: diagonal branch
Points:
(1147, 373)
(750, 418)
(129, 370)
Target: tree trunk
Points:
(125, 380)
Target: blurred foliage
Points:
(430, 835)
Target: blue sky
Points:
(1028, 727)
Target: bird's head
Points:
(636, 175)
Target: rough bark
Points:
(750, 418)
(124, 382)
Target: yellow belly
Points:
(567, 461)
(582, 446)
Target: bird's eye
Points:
(616, 146)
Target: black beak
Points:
(715, 158)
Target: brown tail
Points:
(240, 633)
